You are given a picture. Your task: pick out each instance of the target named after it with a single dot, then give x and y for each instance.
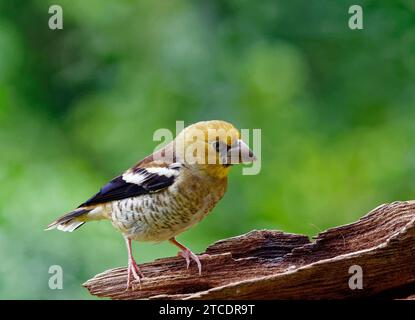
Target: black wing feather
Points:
(118, 189)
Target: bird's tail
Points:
(70, 221)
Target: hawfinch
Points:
(167, 192)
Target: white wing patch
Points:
(163, 171)
(145, 173)
(137, 178)
(175, 165)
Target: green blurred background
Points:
(79, 105)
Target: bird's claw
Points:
(134, 271)
(186, 257)
(187, 254)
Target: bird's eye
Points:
(217, 146)
(220, 146)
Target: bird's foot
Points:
(187, 254)
(133, 271)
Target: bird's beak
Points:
(240, 153)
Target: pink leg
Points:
(133, 269)
(187, 254)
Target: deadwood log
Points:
(270, 264)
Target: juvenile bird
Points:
(167, 192)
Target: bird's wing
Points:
(146, 177)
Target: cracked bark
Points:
(268, 264)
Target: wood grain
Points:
(268, 264)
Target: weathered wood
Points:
(275, 265)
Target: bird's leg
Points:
(133, 269)
(187, 254)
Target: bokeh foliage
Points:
(79, 105)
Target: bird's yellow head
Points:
(212, 146)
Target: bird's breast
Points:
(162, 215)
